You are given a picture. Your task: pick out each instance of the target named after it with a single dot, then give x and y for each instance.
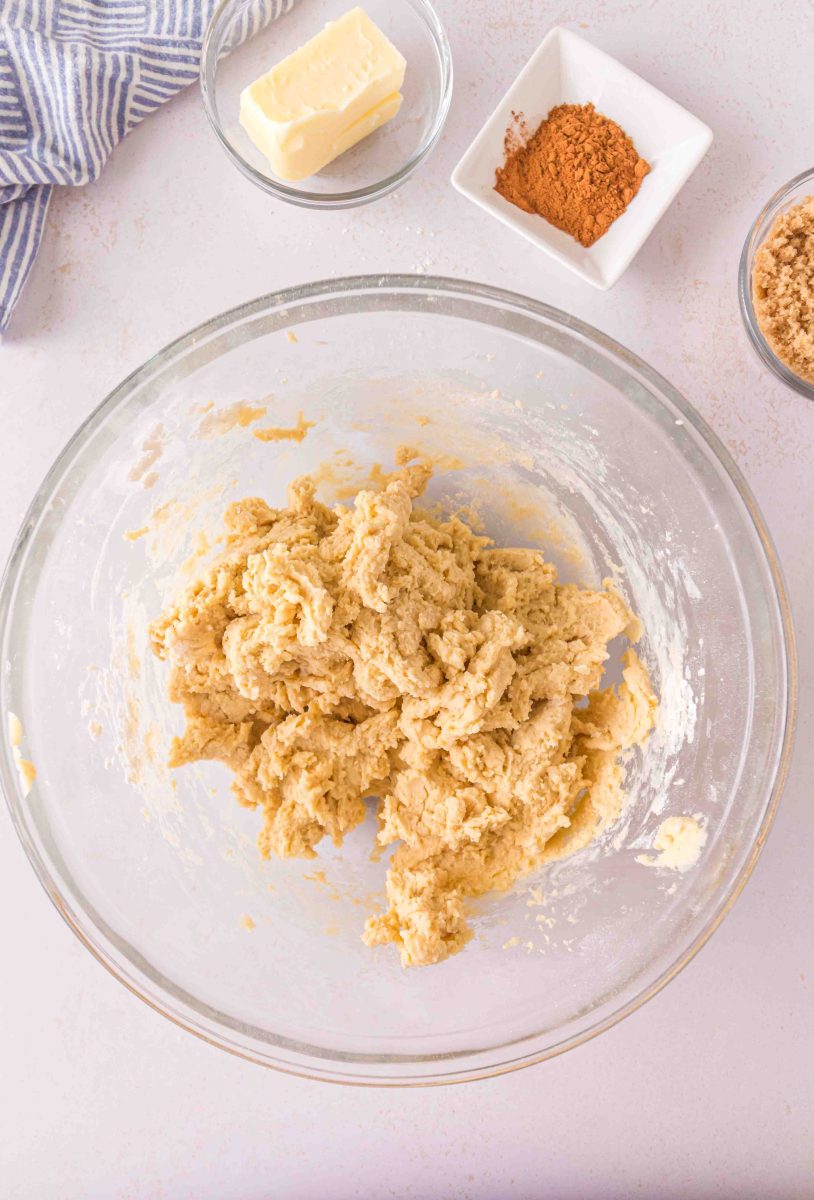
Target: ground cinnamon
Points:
(579, 170)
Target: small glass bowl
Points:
(246, 38)
(786, 197)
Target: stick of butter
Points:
(325, 97)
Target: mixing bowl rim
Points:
(781, 749)
(352, 197)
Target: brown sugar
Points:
(783, 288)
(579, 170)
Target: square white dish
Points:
(565, 69)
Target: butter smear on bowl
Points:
(325, 97)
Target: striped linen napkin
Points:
(75, 77)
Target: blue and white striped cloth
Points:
(75, 77)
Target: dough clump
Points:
(329, 655)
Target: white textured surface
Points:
(708, 1090)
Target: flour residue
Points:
(152, 449)
(223, 420)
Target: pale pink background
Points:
(707, 1091)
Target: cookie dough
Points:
(679, 842)
(331, 655)
(26, 770)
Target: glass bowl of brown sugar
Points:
(776, 284)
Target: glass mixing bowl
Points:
(246, 38)
(562, 438)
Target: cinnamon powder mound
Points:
(783, 288)
(579, 170)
